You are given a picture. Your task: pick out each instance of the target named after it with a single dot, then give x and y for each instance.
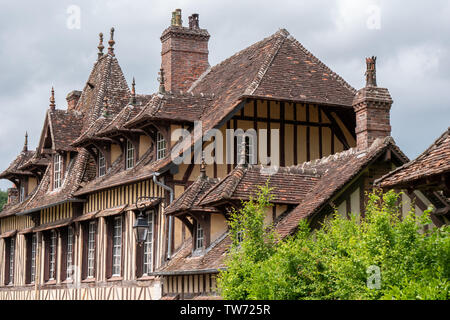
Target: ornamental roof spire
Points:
(52, 100)
(25, 145)
(133, 93)
(100, 46)
(203, 167)
(111, 42)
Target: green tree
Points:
(383, 257)
(3, 199)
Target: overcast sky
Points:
(43, 45)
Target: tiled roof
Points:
(65, 127)
(289, 185)
(35, 160)
(190, 199)
(127, 113)
(328, 176)
(183, 261)
(296, 74)
(14, 167)
(434, 161)
(45, 195)
(339, 169)
(179, 107)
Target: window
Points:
(161, 146)
(57, 171)
(129, 159)
(33, 257)
(148, 244)
(10, 257)
(52, 255)
(101, 164)
(69, 256)
(199, 237)
(117, 247)
(250, 152)
(31, 241)
(91, 250)
(22, 193)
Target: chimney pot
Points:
(72, 99)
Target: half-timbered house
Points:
(112, 154)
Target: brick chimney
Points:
(372, 106)
(184, 52)
(72, 99)
(13, 195)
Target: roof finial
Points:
(105, 113)
(52, 100)
(133, 93)
(111, 42)
(100, 46)
(25, 145)
(371, 73)
(203, 167)
(162, 88)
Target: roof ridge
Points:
(283, 33)
(319, 62)
(279, 32)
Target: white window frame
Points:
(33, 257)
(91, 249)
(101, 164)
(199, 237)
(70, 246)
(148, 244)
(117, 247)
(22, 193)
(57, 171)
(12, 257)
(161, 146)
(129, 155)
(52, 255)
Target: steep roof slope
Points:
(433, 161)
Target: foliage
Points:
(3, 199)
(333, 263)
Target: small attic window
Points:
(92, 86)
(129, 155)
(101, 165)
(57, 171)
(161, 146)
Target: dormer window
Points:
(22, 193)
(199, 237)
(161, 146)
(57, 171)
(101, 165)
(129, 155)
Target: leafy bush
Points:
(337, 261)
(3, 199)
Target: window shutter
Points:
(63, 234)
(139, 260)
(84, 263)
(109, 247)
(28, 259)
(47, 237)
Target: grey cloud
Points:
(37, 51)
